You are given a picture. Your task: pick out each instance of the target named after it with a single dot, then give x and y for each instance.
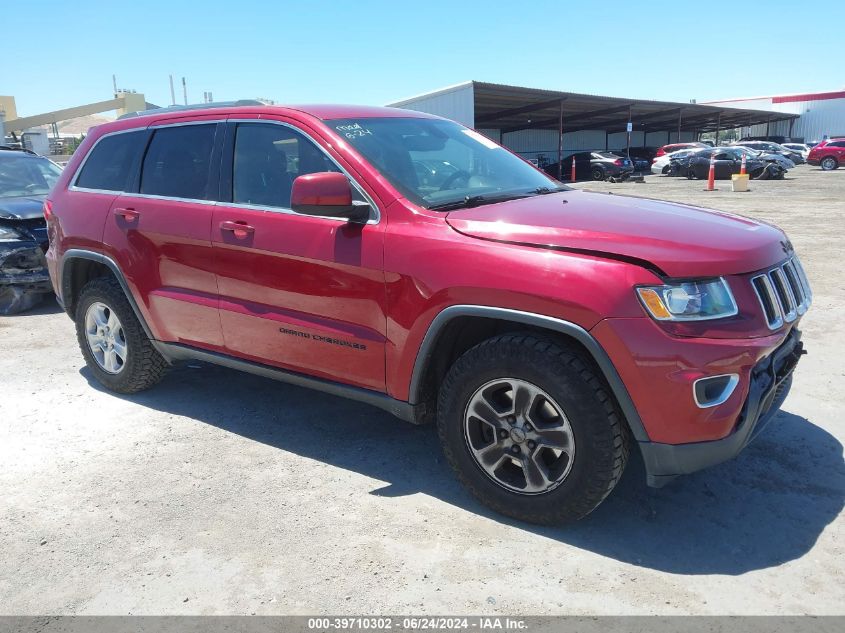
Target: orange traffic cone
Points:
(711, 176)
(572, 174)
(742, 166)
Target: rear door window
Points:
(109, 165)
(178, 162)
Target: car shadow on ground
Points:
(764, 508)
(48, 305)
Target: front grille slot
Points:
(787, 301)
(795, 285)
(802, 276)
(766, 294)
(784, 293)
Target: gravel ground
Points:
(218, 492)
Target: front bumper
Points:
(769, 384)
(23, 275)
(814, 161)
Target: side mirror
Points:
(327, 194)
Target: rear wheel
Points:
(829, 163)
(113, 343)
(530, 429)
(597, 173)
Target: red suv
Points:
(828, 154)
(406, 261)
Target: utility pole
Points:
(114, 83)
(185, 90)
(172, 92)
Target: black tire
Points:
(829, 163)
(144, 366)
(600, 434)
(597, 173)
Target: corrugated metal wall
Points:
(818, 117)
(534, 143)
(456, 103)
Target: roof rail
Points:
(197, 106)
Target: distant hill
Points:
(83, 124)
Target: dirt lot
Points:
(218, 492)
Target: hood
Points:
(679, 240)
(21, 208)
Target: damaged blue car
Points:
(25, 180)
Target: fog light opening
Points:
(714, 390)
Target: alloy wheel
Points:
(519, 436)
(105, 337)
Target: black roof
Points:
(7, 148)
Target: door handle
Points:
(240, 229)
(130, 215)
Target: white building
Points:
(821, 115)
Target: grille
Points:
(784, 293)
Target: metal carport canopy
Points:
(512, 108)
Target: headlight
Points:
(689, 300)
(9, 235)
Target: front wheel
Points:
(829, 163)
(113, 343)
(530, 429)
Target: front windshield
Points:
(26, 175)
(435, 162)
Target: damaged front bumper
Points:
(24, 280)
(770, 381)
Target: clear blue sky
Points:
(373, 52)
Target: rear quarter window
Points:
(109, 165)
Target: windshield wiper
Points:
(474, 201)
(542, 191)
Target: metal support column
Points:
(560, 144)
(718, 125)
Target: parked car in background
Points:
(780, 159)
(661, 164)
(25, 180)
(772, 148)
(829, 154)
(728, 161)
(641, 157)
(801, 148)
(593, 166)
(674, 147)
